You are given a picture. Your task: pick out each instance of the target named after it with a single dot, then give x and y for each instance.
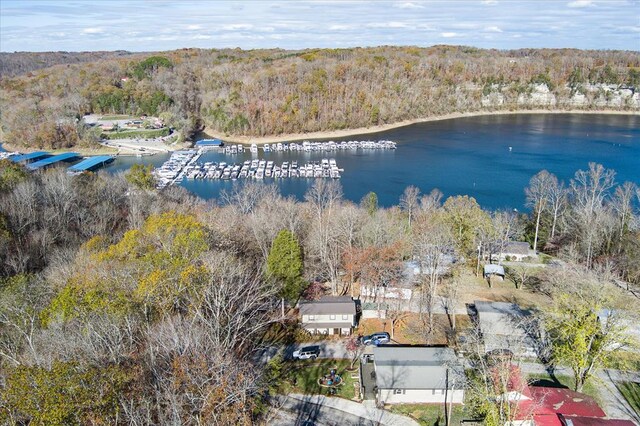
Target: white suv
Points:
(308, 352)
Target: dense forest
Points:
(270, 92)
(124, 305)
(16, 63)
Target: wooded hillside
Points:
(270, 92)
(17, 63)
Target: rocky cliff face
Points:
(584, 96)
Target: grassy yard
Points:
(429, 414)
(590, 388)
(409, 330)
(631, 392)
(118, 117)
(302, 377)
(132, 134)
(625, 360)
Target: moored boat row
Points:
(261, 169)
(321, 146)
(174, 169)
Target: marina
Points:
(184, 165)
(308, 146)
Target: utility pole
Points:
(478, 260)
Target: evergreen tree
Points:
(285, 265)
(370, 203)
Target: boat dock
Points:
(184, 165)
(90, 164)
(308, 146)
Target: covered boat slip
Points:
(50, 161)
(41, 159)
(32, 156)
(91, 163)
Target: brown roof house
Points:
(329, 315)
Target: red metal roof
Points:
(567, 402)
(547, 420)
(591, 421)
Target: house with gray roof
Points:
(506, 325)
(329, 315)
(417, 375)
(516, 251)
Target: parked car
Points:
(498, 356)
(308, 352)
(376, 338)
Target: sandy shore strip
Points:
(247, 140)
(118, 147)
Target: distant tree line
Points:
(270, 92)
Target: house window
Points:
(345, 317)
(332, 317)
(312, 317)
(398, 391)
(436, 391)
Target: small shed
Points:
(492, 270)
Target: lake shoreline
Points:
(292, 137)
(295, 137)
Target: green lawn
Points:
(631, 392)
(301, 376)
(429, 414)
(131, 134)
(118, 117)
(590, 388)
(626, 360)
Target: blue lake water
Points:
(460, 156)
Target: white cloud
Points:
(201, 37)
(194, 27)
(237, 27)
(93, 30)
(489, 2)
(408, 5)
(450, 34)
(580, 3)
(341, 27)
(493, 29)
(392, 24)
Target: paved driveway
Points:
(319, 409)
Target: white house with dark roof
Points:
(417, 375)
(329, 315)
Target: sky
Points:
(150, 25)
